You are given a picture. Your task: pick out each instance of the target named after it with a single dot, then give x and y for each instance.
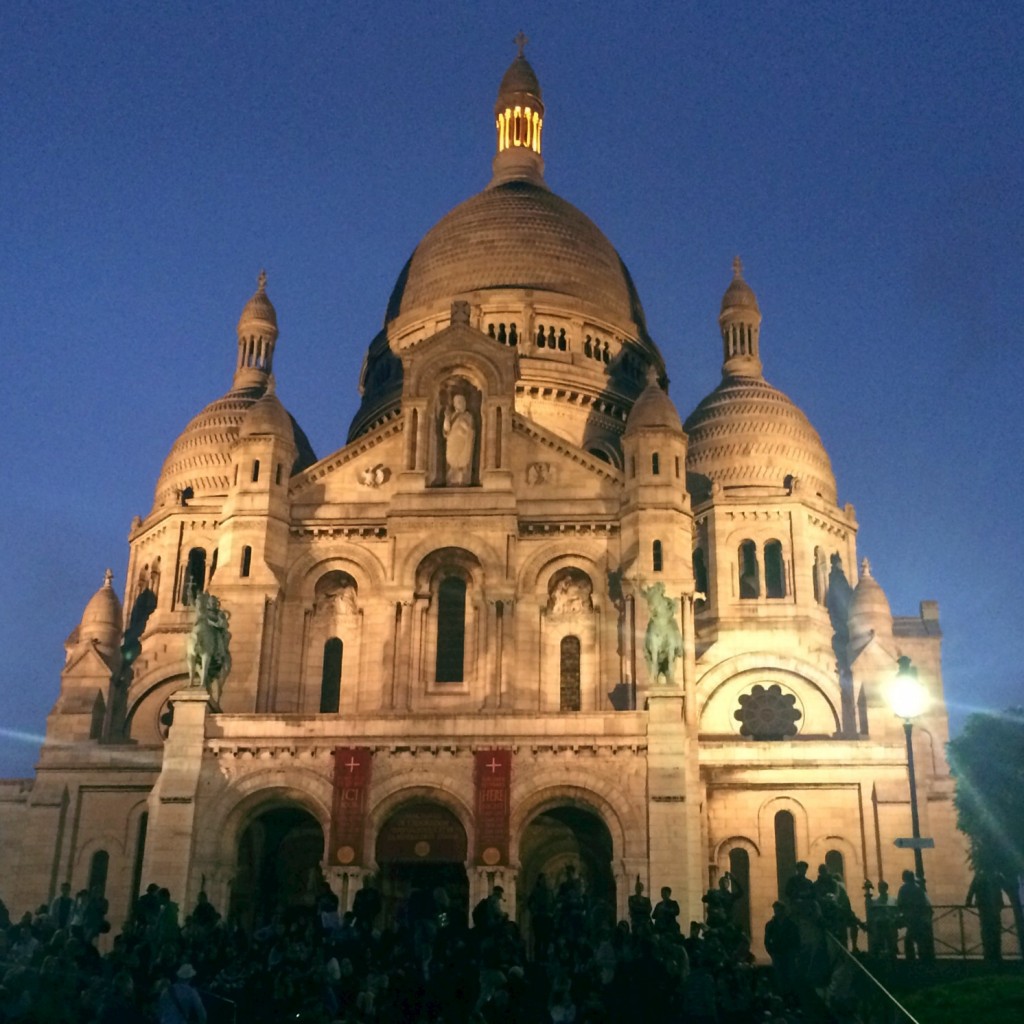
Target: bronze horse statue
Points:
(663, 642)
(206, 652)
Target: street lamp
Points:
(909, 699)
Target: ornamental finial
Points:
(261, 281)
(737, 268)
(521, 41)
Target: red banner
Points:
(348, 815)
(493, 781)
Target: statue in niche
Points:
(206, 652)
(336, 593)
(459, 430)
(663, 642)
(571, 595)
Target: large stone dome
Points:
(517, 235)
(748, 434)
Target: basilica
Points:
(527, 618)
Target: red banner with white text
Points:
(348, 815)
(493, 776)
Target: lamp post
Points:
(909, 699)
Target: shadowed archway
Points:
(278, 865)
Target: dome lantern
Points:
(257, 335)
(519, 119)
(740, 324)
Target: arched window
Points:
(774, 570)
(657, 559)
(194, 578)
(255, 470)
(246, 560)
(569, 674)
(277, 474)
(330, 678)
(700, 577)
(655, 464)
(739, 868)
(98, 867)
(451, 630)
(213, 562)
(862, 712)
(785, 849)
(836, 865)
(750, 577)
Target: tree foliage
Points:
(987, 759)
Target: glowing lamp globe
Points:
(907, 697)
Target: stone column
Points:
(483, 879)
(674, 827)
(172, 801)
(345, 882)
(689, 660)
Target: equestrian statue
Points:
(663, 642)
(207, 654)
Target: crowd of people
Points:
(431, 963)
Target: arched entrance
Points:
(568, 840)
(422, 846)
(278, 866)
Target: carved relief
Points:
(539, 473)
(570, 593)
(374, 476)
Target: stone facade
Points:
(471, 572)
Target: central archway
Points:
(422, 847)
(564, 837)
(278, 866)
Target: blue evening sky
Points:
(864, 159)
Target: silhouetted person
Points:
(799, 888)
(639, 909)
(782, 944)
(916, 911)
(986, 893)
(666, 914)
(882, 926)
(366, 907)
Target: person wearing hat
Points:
(179, 1003)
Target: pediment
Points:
(87, 663)
(872, 657)
(547, 467)
(458, 351)
(363, 471)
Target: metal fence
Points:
(957, 931)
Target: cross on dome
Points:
(520, 41)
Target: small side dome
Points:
(101, 620)
(869, 608)
(739, 294)
(259, 310)
(653, 408)
(520, 78)
(267, 416)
